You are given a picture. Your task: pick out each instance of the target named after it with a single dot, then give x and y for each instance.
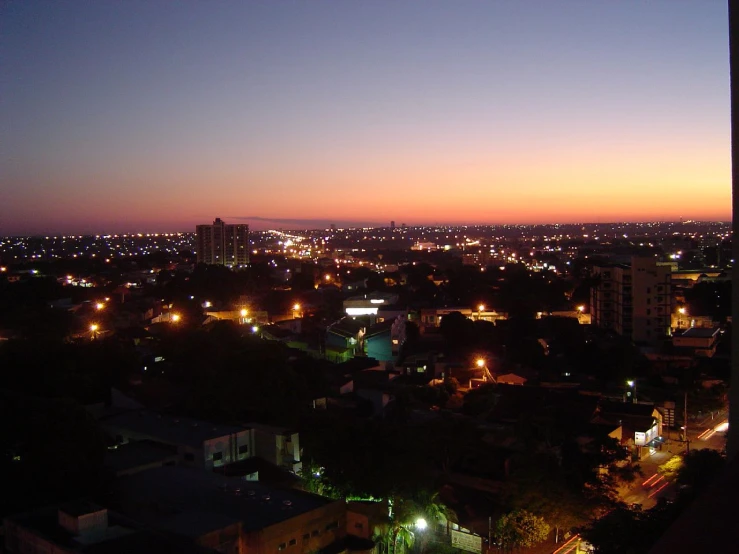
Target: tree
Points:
(520, 529)
(700, 467)
(671, 468)
(537, 484)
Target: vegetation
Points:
(520, 529)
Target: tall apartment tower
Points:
(221, 244)
(634, 300)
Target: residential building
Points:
(205, 445)
(634, 300)
(431, 317)
(368, 304)
(230, 514)
(277, 445)
(222, 244)
(698, 341)
(637, 426)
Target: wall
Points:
(229, 447)
(311, 531)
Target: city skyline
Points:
(156, 117)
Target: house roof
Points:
(135, 454)
(168, 429)
(194, 493)
(379, 329)
(122, 535)
(700, 332)
(346, 327)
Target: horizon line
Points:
(355, 227)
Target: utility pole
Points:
(685, 423)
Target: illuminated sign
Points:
(361, 311)
(465, 541)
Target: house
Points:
(641, 424)
(382, 341)
(510, 379)
(346, 334)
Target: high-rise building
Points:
(634, 300)
(221, 244)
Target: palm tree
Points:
(407, 515)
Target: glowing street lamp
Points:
(632, 384)
(99, 306)
(480, 363)
(480, 309)
(681, 312)
(581, 308)
(93, 330)
(175, 318)
(296, 310)
(421, 524)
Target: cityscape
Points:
(534, 356)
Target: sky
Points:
(153, 115)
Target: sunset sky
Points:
(155, 115)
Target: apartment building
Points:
(634, 300)
(222, 244)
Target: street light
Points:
(175, 318)
(581, 308)
(480, 363)
(243, 313)
(632, 384)
(296, 310)
(480, 309)
(99, 306)
(421, 524)
(93, 329)
(681, 311)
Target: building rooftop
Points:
(700, 332)
(177, 499)
(169, 429)
(135, 454)
(121, 535)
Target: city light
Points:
(243, 312)
(581, 309)
(175, 318)
(94, 327)
(480, 363)
(99, 306)
(421, 524)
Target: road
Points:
(707, 433)
(710, 432)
